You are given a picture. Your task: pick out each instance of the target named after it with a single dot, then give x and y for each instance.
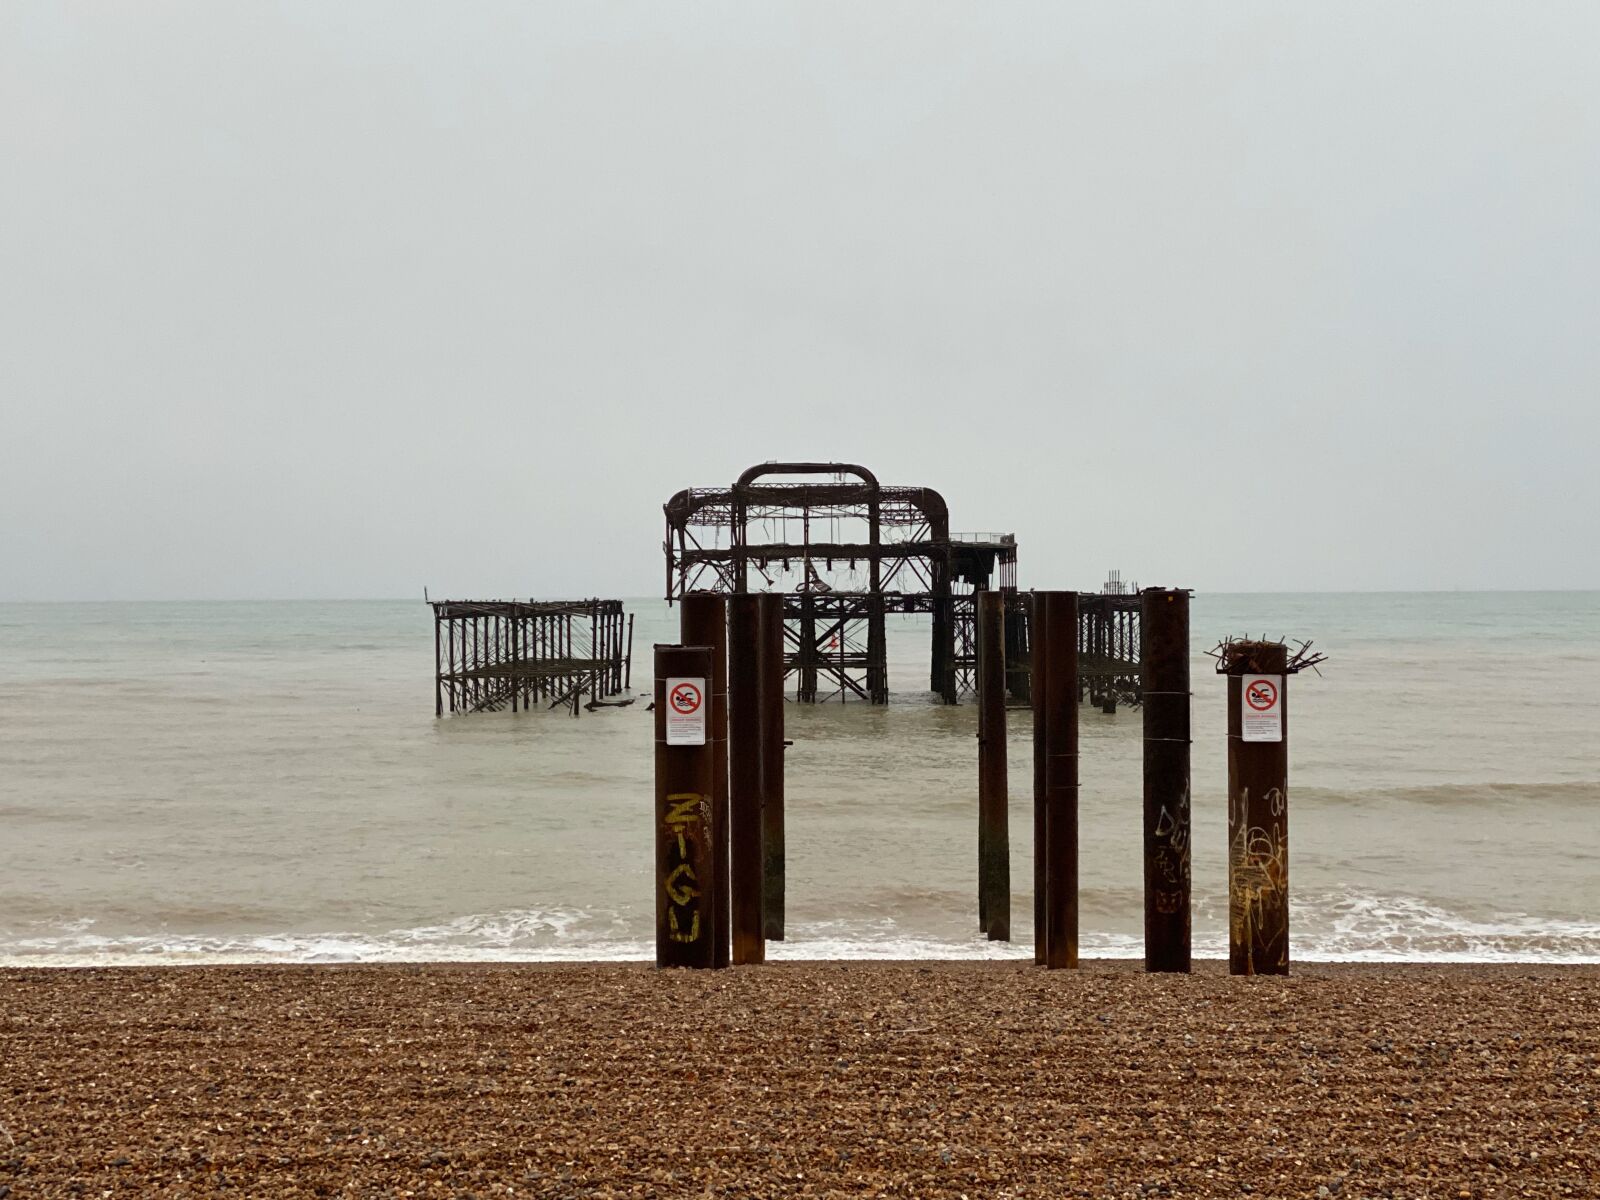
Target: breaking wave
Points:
(1342, 927)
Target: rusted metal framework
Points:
(1109, 651)
(492, 653)
(844, 551)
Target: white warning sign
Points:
(686, 712)
(1261, 710)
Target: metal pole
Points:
(686, 870)
(994, 844)
(1258, 817)
(627, 663)
(772, 673)
(744, 778)
(1164, 640)
(807, 691)
(703, 621)
(1039, 663)
(438, 670)
(1061, 778)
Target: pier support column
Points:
(745, 865)
(994, 840)
(703, 621)
(685, 819)
(772, 674)
(877, 651)
(1056, 701)
(1164, 638)
(807, 656)
(1038, 664)
(1258, 808)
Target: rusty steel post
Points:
(994, 841)
(1060, 698)
(438, 670)
(1258, 819)
(686, 868)
(1038, 665)
(703, 621)
(745, 865)
(1164, 639)
(772, 673)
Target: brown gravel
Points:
(820, 1079)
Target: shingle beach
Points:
(804, 1079)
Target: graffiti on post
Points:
(687, 820)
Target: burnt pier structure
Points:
(491, 654)
(844, 551)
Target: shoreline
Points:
(927, 1078)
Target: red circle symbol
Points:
(1261, 695)
(685, 699)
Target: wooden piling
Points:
(772, 766)
(1164, 638)
(686, 836)
(1258, 812)
(745, 860)
(994, 843)
(1059, 698)
(703, 621)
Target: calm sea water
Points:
(244, 782)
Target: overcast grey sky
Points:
(338, 299)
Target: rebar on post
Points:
(994, 842)
(1164, 639)
(772, 854)
(1258, 821)
(745, 864)
(1058, 698)
(686, 833)
(703, 621)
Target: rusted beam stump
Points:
(745, 865)
(1258, 807)
(772, 853)
(686, 834)
(1164, 616)
(994, 841)
(703, 621)
(1059, 699)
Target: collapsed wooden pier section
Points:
(490, 654)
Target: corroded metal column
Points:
(1258, 808)
(1059, 698)
(1039, 665)
(685, 819)
(1164, 638)
(703, 621)
(994, 841)
(772, 673)
(745, 866)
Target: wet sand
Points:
(925, 1079)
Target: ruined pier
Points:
(494, 654)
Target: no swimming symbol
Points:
(685, 711)
(1261, 695)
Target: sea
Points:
(267, 782)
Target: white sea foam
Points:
(1355, 927)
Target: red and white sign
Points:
(1261, 714)
(686, 712)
